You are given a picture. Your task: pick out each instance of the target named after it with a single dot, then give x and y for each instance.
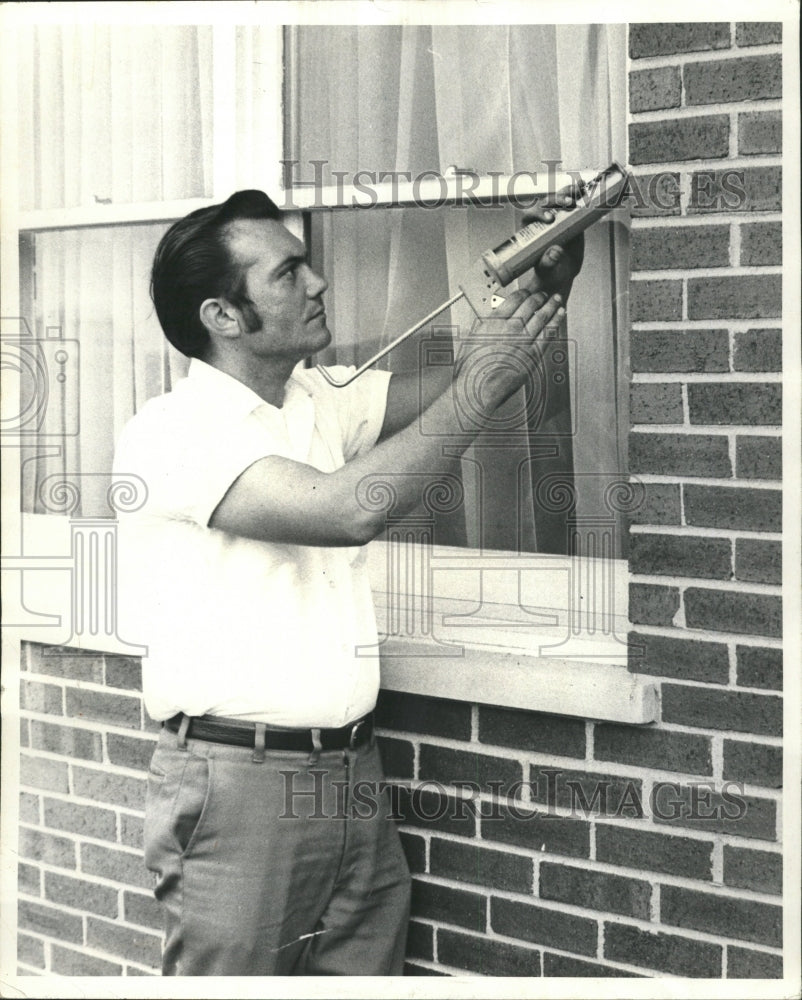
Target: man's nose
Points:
(316, 284)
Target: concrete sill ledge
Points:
(588, 690)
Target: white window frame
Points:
(496, 665)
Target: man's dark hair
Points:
(193, 263)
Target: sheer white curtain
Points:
(114, 114)
(92, 295)
(504, 99)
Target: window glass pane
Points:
(114, 114)
(95, 354)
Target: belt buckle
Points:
(354, 730)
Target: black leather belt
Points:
(217, 729)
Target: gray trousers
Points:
(285, 866)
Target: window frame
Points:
(602, 688)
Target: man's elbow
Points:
(364, 525)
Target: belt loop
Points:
(183, 729)
(317, 746)
(259, 743)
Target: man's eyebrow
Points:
(289, 261)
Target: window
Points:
(131, 157)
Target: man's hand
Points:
(557, 268)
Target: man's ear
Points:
(220, 318)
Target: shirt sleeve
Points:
(187, 475)
(360, 407)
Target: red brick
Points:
(758, 350)
(79, 894)
(654, 195)
(762, 244)
(745, 79)
(480, 866)
(705, 137)
(420, 941)
(661, 505)
(38, 772)
(595, 891)
(699, 806)
(131, 831)
(114, 709)
(661, 749)
(586, 793)
(650, 604)
(751, 189)
(68, 741)
(743, 296)
(71, 664)
(123, 672)
(105, 786)
(758, 561)
(679, 454)
(418, 714)
(24, 733)
(760, 667)
(486, 956)
(683, 658)
(129, 751)
(31, 951)
(398, 757)
(450, 906)
(684, 857)
(758, 33)
(680, 555)
(88, 821)
(660, 39)
(760, 871)
(654, 89)
(431, 808)
(536, 830)
(119, 866)
(758, 457)
(44, 698)
(744, 963)
(134, 946)
(753, 763)
(656, 300)
(740, 711)
(29, 811)
(524, 730)
(735, 403)
(562, 965)
(143, 910)
(29, 879)
(739, 507)
(540, 925)
(653, 403)
(66, 962)
(680, 350)
(670, 953)
(40, 846)
(50, 922)
(733, 611)
(671, 247)
(498, 775)
(760, 132)
(415, 851)
(712, 913)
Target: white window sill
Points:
(494, 628)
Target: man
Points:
(245, 570)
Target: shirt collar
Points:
(223, 390)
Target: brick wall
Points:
(518, 869)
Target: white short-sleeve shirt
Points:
(282, 634)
